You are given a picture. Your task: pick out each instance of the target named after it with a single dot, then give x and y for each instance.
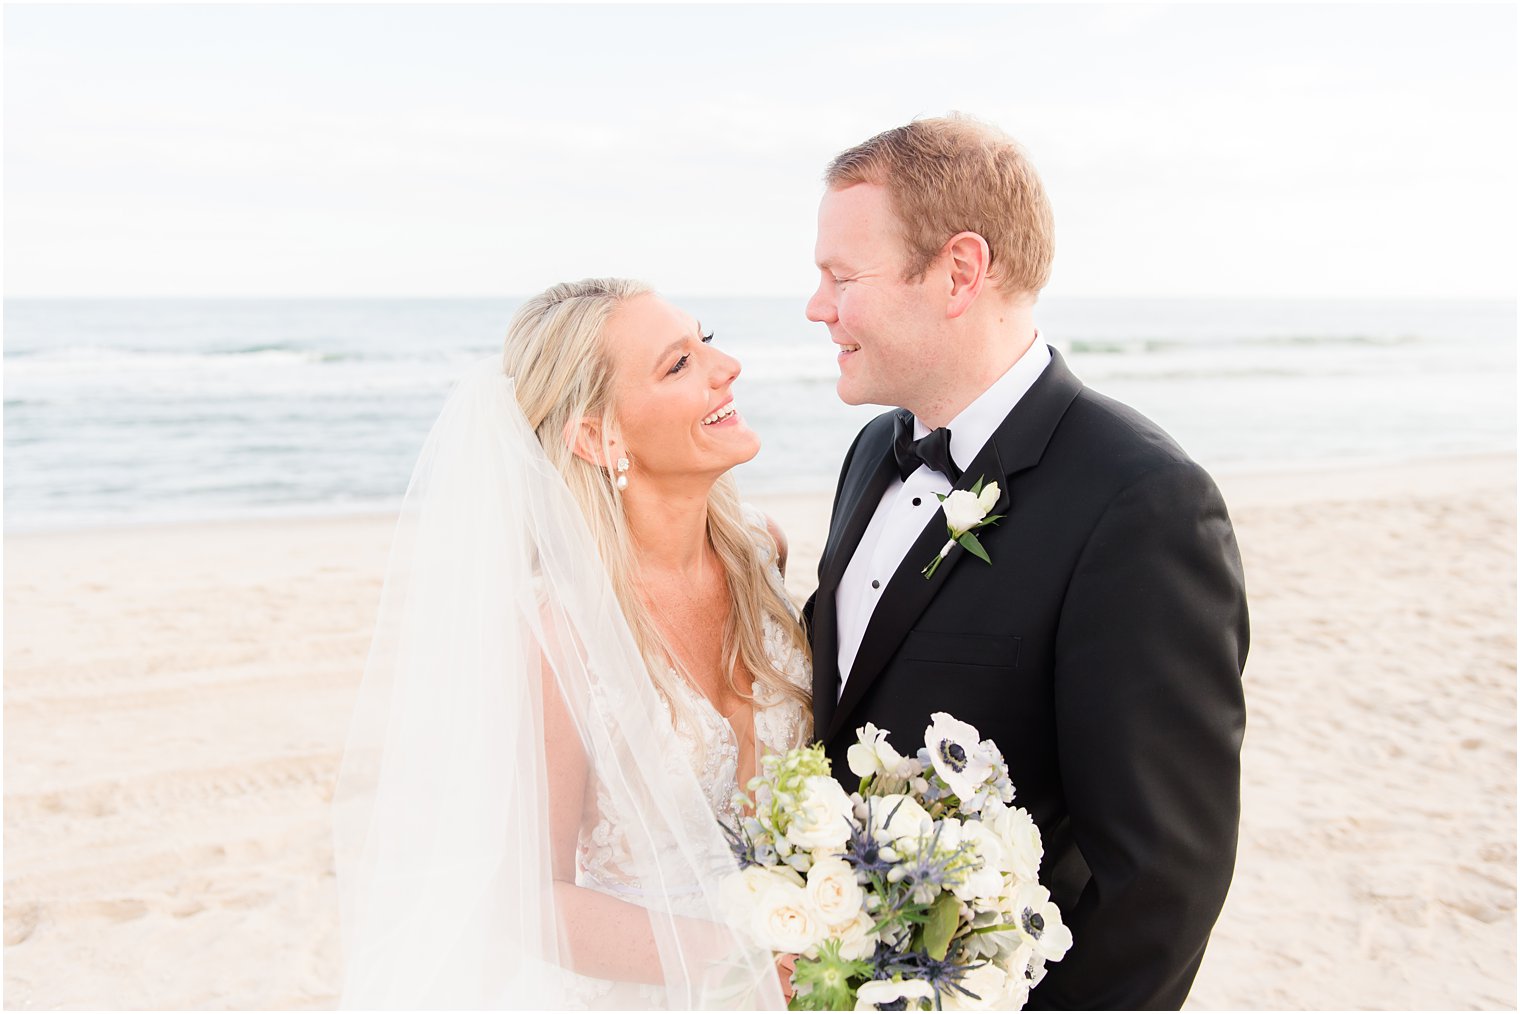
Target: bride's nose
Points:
(725, 368)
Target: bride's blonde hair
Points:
(563, 374)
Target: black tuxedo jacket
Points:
(1101, 651)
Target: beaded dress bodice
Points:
(708, 745)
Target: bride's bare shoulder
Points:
(760, 518)
(780, 539)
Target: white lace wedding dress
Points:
(711, 749)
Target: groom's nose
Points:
(821, 307)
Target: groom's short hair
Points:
(953, 174)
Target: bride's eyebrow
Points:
(673, 346)
(665, 352)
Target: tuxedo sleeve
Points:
(1149, 720)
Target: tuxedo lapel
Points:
(1015, 446)
(874, 470)
(858, 502)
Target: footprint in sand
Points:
(120, 909)
(20, 921)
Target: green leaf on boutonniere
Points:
(973, 546)
(976, 489)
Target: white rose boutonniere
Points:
(965, 512)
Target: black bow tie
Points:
(933, 450)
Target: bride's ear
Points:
(584, 438)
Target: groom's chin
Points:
(849, 393)
(855, 396)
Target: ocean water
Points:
(126, 411)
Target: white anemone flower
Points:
(916, 994)
(956, 753)
(1039, 922)
(994, 989)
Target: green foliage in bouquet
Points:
(828, 981)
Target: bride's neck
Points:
(669, 529)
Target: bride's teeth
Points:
(722, 413)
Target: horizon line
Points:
(1299, 297)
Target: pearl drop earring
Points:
(622, 478)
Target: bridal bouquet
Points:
(918, 891)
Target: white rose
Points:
(783, 919)
(987, 844)
(872, 995)
(834, 893)
(894, 817)
(739, 892)
(963, 510)
(821, 818)
(857, 939)
(1022, 847)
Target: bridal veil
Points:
(495, 597)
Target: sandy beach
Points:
(176, 699)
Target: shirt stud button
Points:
(917, 500)
(875, 584)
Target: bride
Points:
(584, 647)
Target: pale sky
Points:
(1214, 150)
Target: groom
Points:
(1102, 647)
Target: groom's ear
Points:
(968, 258)
(584, 438)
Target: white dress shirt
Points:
(909, 504)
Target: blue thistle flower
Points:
(863, 849)
(740, 844)
(929, 870)
(945, 976)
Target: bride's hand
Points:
(784, 967)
